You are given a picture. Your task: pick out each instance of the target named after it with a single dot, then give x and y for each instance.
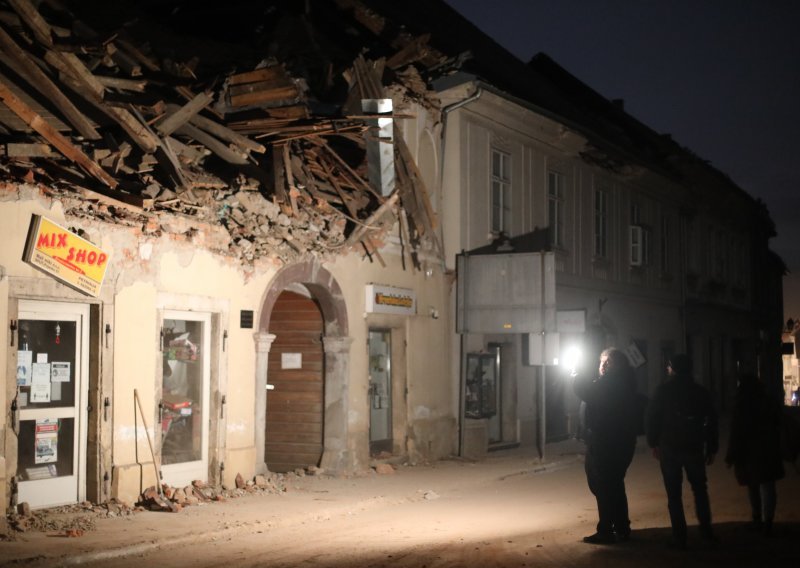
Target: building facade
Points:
(653, 250)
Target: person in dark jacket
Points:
(683, 432)
(754, 449)
(611, 427)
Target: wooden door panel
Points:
(294, 408)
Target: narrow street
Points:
(507, 510)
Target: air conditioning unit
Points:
(636, 235)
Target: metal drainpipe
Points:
(445, 112)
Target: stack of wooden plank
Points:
(107, 119)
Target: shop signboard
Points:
(390, 300)
(65, 256)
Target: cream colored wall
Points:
(185, 278)
(4, 364)
(429, 404)
(135, 361)
(146, 274)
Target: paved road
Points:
(508, 510)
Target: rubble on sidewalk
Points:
(75, 520)
(173, 499)
(68, 520)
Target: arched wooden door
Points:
(294, 420)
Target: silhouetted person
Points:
(754, 449)
(611, 415)
(682, 430)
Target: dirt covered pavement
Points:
(510, 509)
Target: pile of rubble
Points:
(69, 520)
(75, 520)
(173, 499)
(141, 138)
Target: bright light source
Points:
(571, 358)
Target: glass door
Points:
(184, 407)
(52, 398)
(380, 391)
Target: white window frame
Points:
(499, 192)
(183, 473)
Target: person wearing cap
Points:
(682, 431)
(611, 415)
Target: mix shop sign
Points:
(65, 256)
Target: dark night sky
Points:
(721, 76)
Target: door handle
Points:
(270, 387)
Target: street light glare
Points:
(571, 357)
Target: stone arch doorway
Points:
(311, 280)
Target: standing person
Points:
(610, 434)
(682, 430)
(754, 449)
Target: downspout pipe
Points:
(445, 113)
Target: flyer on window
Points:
(24, 367)
(41, 373)
(60, 371)
(46, 440)
(40, 392)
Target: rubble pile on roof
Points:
(125, 135)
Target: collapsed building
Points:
(180, 215)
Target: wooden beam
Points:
(287, 169)
(54, 137)
(350, 170)
(417, 182)
(225, 133)
(31, 16)
(44, 85)
(263, 74)
(181, 116)
(277, 94)
(122, 83)
(279, 181)
(145, 139)
(260, 86)
(119, 199)
(69, 64)
(18, 150)
(366, 225)
(212, 144)
(137, 54)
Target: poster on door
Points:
(24, 368)
(40, 383)
(46, 440)
(60, 371)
